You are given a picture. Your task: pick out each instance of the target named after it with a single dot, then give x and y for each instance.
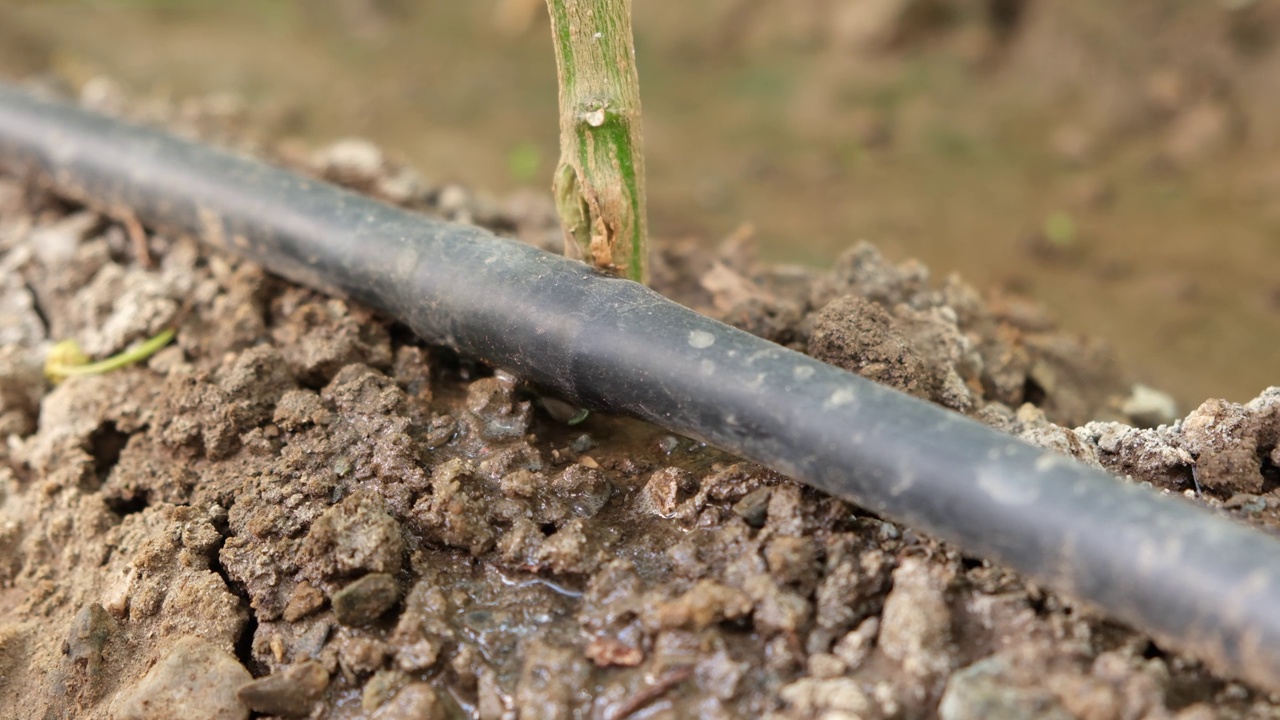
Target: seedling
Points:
(599, 182)
(67, 358)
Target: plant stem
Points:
(66, 358)
(599, 182)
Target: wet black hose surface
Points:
(1196, 582)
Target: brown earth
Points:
(301, 510)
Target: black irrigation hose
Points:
(1196, 582)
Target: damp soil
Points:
(299, 509)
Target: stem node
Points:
(599, 182)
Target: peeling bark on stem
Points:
(599, 182)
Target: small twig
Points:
(137, 236)
(668, 680)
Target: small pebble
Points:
(381, 687)
(195, 681)
(365, 600)
(89, 634)
(290, 693)
(417, 700)
(754, 506)
(981, 692)
(1149, 408)
(915, 628)
(304, 600)
(350, 159)
(582, 443)
(825, 666)
(1246, 502)
(856, 646)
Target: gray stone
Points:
(290, 692)
(915, 628)
(366, 599)
(982, 692)
(195, 681)
(416, 700)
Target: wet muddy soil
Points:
(299, 509)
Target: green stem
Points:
(599, 182)
(66, 358)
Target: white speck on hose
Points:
(1050, 461)
(1157, 557)
(1006, 490)
(842, 396)
(701, 339)
(802, 372)
(904, 482)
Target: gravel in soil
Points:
(301, 510)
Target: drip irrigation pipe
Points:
(1198, 583)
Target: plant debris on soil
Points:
(300, 509)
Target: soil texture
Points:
(301, 510)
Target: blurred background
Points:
(1117, 161)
